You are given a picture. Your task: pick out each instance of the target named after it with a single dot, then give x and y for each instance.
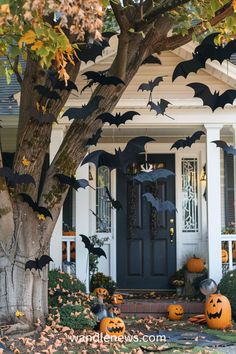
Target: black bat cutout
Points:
(94, 139)
(14, 178)
(62, 85)
(188, 141)
(198, 61)
(153, 175)
(228, 149)
(121, 159)
(92, 51)
(85, 110)
(72, 181)
(34, 205)
(101, 78)
(158, 204)
(160, 107)
(214, 100)
(102, 223)
(97, 251)
(39, 263)
(150, 85)
(42, 117)
(151, 60)
(46, 92)
(118, 119)
(114, 203)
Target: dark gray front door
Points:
(146, 248)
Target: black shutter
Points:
(229, 189)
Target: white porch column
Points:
(56, 240)
(82, 227)
(213, 201)
(234, 143)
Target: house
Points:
(145, 248)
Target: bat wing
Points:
(92, 75)
(42, 117)
(101, 158)
(163, 105)
(107, 117)
(144, 87)
(98, 251)
(127, 116)
(7, 173)
(134, 147)
(153, 175)
(189, 66)
(157, 81)
(43, 261)
(94, 139)
(90, 52)
(111, 80)
(82, 183)
(202, 91)
(227, 97)
(223, 145)
(45, 91)
(151, 60)
(196, 136)
(86, 242)
(155, 107)
(108, 194)
(27, 199)
(227, 51)
(44, 211)
(179, 143)
(85, 111)
(61, 85)
(168, 206)
(24, 179)
(117, 205)
(154, 202)
(31, 265)
(74, 113)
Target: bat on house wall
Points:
(72, 181)
(98, 251)
(153, 175)
(118, 118)
(188, 141)
(228, 149)
(84, 111)
(34, 205)
(158, 204)
(39, 263)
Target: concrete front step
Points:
(158, 307)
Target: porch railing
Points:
(68, 263)
(228, 242)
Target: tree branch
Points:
(120, 16)
(15, 68)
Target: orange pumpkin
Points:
(112, 326)
(101, 292)
(224, 256)
(195, 265)
(218, 312)
(114, 311)
(175, 312)
(117, 299)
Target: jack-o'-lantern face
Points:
(175, 312)
(218, 312)
(224, 256)
(114, 311)
(112, 326)
(101, 292)
(117, 299)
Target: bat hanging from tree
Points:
(62, 85)
(42, 117)
(72, 181)
(153, 175)
(14, 178)
(118, 119)
(160, 107)
(39, 263)
(40, 210)
(206, 50)
(188, 141)
(94, 139)
(228, 149)
(150, 85)
(115, 203)
(158, 204)
(97, 251)
(151, 60)
(121, 159)
(214, 100)
(85, 110)
(46, 92)
(101, 78)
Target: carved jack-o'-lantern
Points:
(224, 256)
(195, 265)
(114, 311)
(101, 292)
(117, 299)
(112, 326)
(218, 312)
(175, 312)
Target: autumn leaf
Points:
(234, 5)
(25, 162)
(37, 45)
(28, 38)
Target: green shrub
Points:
(66, 280)
(74, 316)
(227, 287)
(99, 280)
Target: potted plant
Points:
(177, 280)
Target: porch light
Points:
(208, 287)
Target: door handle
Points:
(171, 233)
